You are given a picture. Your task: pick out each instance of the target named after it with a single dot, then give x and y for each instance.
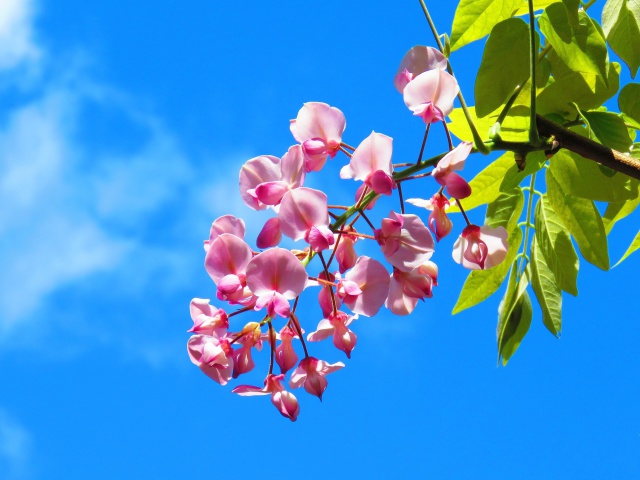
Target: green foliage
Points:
(514, 316)
(505, 65)
(629, 101)
(548, 293)
(621, 25)
(515, 127)
(582, 219)
(475, 19)
(635, 245)
(505, 210)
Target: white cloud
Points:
(16, 33)
(15, 448)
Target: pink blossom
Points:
(405, 241)
(408, 287)
(276, 276)
(371, 163)
(286, 357)
(430, 95)
(254, 172)
(214, 356)
(360, 191)
(345, 252)
(206, 320)
(304, 214)
(250, 337)
(319, 128)
(457, 187)
(226, 262)
(480, 248)
(270, 235)
(225, 224)
(310, 374)
(417, 60)
(325, 298)
(438, 221)
(284, 401)
(336, 325)
(365, 287)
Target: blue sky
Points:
(122, 128)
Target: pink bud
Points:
(480, 248)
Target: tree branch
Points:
(588, 148)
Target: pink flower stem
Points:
(323, 282)
(398, 165)
(367, 220)
(446, 130)
(400, 197)
(338, 207)
(464, 214)
(333, 215)
(237, 312)
(296, 325)
(342, 144)
(335, 247)
(326, 271)
(343, 150)
(424, 142)
(356, 234)
(414, 177)
(272, 345)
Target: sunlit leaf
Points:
(610, 130)
(580, 45)
(514, 177)
(515, 127)
(555, 245)
(475, 19)
(629, 101)
(481, 284)
(514, 319)
(582, 220)
(505, 65)
(621, 26)
(635, 245)
(617, 211)
(547, 291)
(505, 210)
(582, 178)
(523, 9)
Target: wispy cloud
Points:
(16, 33)
(15, 448)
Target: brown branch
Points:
(588, 148)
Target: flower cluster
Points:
(269, 279)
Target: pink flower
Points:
(284, 401)
(438, 221)
(276, 276)
(457, 187)
(226, 262)
(270, 235)
(325, 298)
(408, 287)
(406, 242)
(304, 214)
(250, 337)
(365, 287)
(286, 357)
(417, 60)
(254, 172)
(319, 128)
(207, 321)
(345, 252)
(225, 224)
(480, 248)
(430, 95)
(336, 325)
(310, 374)
(214, 356)
(371, 163)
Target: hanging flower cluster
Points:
(347, 284)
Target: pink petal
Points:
(293, 167)
(435, 87)
(270, 193)
(417, 60)
(457, 187)
(373, 153)
(264, 168)
(276, 270)
(270, 235)
(302, 209)
(373, 279)
(319, 120)
(228, 254)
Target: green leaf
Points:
(514, 319)
(505, 65)
(582, 178)
(574, 87)
(556, 247)
(617, 211)
(580, 44)
(523, 9)
(609, 129)
(481, 284)
(635, 245)
(547, 291)
(515, 127)
(621, 25)
(475, 19)
(543, 71)
(514, 177)
(629, 101)
(582, 219)
(505, 210)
